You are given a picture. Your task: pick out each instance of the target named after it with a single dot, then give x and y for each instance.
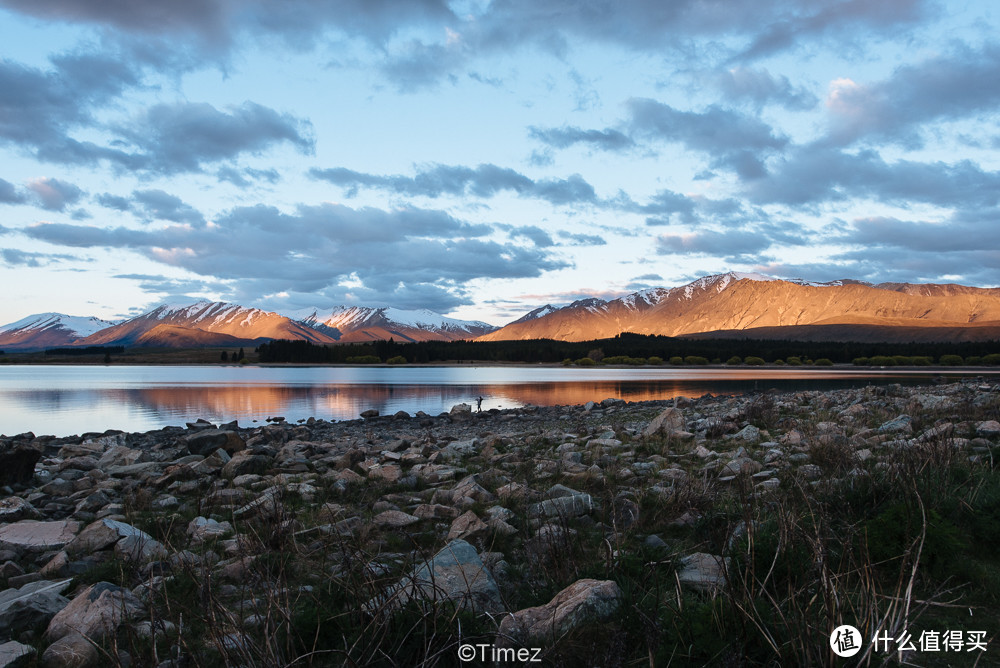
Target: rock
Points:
(395, 518)
(701, 571)
(31, 607)
(582, 602)
(102, 534)
(902, 424)
(456, 574)
(742, 465)
(370, 413)
(16, 655)
(140, 549)
(33, 536)
(207, 441)
(670, 420)
(15, 509)
(563, 506)
(466, 525)
(749, 434)
(460, 411)
(121, 455)
(246, 462)
(17, 463)
(988, 429)
(201, 529)
(96, 612)
(71, 651)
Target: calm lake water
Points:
(64, 400)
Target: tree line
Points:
(622, 346)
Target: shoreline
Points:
(477, 525)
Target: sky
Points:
(481, 159)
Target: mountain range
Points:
(722, 305)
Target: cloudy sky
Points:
(483, 158)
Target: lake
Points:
(64, 400)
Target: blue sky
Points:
(484, 158)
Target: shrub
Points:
(734, 360)
(695, 359)
(363, 359)
(654, 360)
(992, 359)
(882, 360)
(754, 361)
(902, 360)
(975, 360)
(822, 361)
(779, 362)
(398, 359)
(950, 360)
(861, 361)
(676, 361)
(585, 361)
(922, 360)
(794, 361)
(567, 362)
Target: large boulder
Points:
(16, 655)
(96, 613)
(582, 602)
(455, 574)
(31, 607)
(207, 441)
(17, 462)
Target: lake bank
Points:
(326, 536)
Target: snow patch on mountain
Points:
(80, 326)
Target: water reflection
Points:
(67, 400)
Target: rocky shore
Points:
(608, 532)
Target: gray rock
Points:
(902, 424)
(455, 574)
(15, 509)
(17, 462)
(32, 536)
(31, 607)
(702, 571)
(207, 441)
(582, 602)
(102, 534)
(563, 506)
(16, 655)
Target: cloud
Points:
(215, 25)
(244, 178)
(564, 137)
(39, 108)
(9, 193)
(53, 194)
(327, 249)
(735, 141)
(954, 234)
(710, 242)
(159, 205)
(950, 87)
(576, 239)
(759, 88)
(817, 173)
(843, 20)
(484, 181)
(13, 257)
(181, 137)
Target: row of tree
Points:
(623, 346)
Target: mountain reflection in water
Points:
(68, 400)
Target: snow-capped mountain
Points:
(241, 323)
(768, 307)
(360, 323)
(48, 330)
